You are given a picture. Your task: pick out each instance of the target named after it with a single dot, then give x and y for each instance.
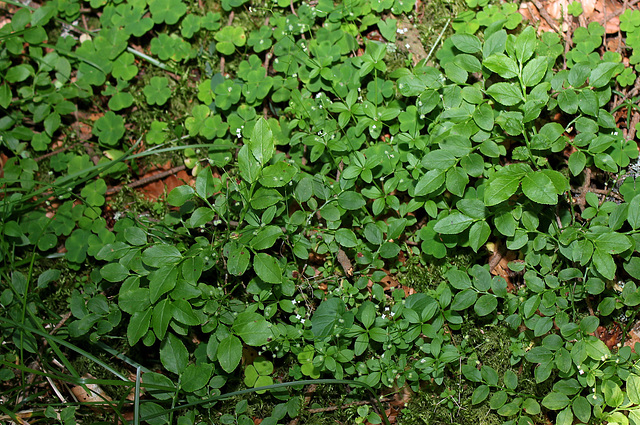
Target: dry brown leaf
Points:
(633, 337)
(92, 394)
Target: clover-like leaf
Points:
(260, 40)
(109, 128)
(157, 91)
(168, 11)
(228, 38)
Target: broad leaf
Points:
(267, 268)
(500, 189)
(261, 143)
(453, 223)
(173, 354)
(539, 188)
(229, 353)
(252, 328)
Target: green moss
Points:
(424, 277)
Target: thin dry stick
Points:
(545, 15)
(146, 180)
(332, 408)
(229, 22)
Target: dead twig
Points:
(146, 180)
(545, 15)
(222, 61)
(343, 406)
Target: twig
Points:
(222, 60)
(582, 191)
(146, 180)
(545, 15)
(55, 152)
(332, 408)
(567, 45)
(60, 323)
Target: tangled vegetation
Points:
(422, 230)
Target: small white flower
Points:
(294, 302)
(581, 372)
(373, 127)
(298, 317)
(384, 316)
(386, 309)
(408, 46)
(302, 321)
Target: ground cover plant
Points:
(356, 217)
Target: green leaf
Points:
(510, 380)
(267, 268)
(613, 395)
(483, 117)
(265, 197)
(180, 195)
(238, 260)
(252, 328)
(168, 11)
(485, 305)
(109, 128)
(577, 162)
(633, 388)
(633, 215)
(195, 376)
(568, 101)
(249, 167)
(479, 234)
(612, 243)
(277, 175)
(350, 200)
(494, 43)
(480, 394)
(502, 65)
(430, 182)
(229, 353)
(330, 316)
(162, 281)
(539, 188)
(534, 71)
(466, 43)
(505, 93)
(525, 44)
(453, 223)
(162, 315)
(261, 143)
(135, 236)
(555, 401)
(464, 300)
(157, 91)
(500, 189)
(603, 74)
(183, 313)
(159, 255)
(346, 238)
(205, 184)
(114, 272)
(266, 237)
(604, 263)
(456, 181)
(138, 326)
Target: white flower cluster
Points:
(402, 30)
